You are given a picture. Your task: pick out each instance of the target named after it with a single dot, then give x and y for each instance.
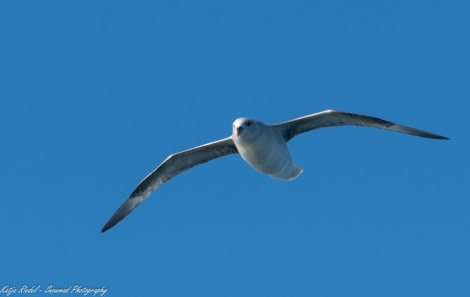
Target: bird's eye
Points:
(248, 124)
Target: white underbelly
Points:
(271, 159)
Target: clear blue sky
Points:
(95, 94)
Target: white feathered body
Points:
(262, 147)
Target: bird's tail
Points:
(290, 174)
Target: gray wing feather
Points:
(329, 118)
(171, 167)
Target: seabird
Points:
(262, 146)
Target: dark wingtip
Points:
(127, 207)
(441, 137)
(424, 134)
(116, 218)
(108, 225)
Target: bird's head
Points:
(245, 128)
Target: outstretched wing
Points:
(171, 167)
(329, 118)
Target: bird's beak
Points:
(239, 129)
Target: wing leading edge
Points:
(171, 167)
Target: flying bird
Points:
(262, 146)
